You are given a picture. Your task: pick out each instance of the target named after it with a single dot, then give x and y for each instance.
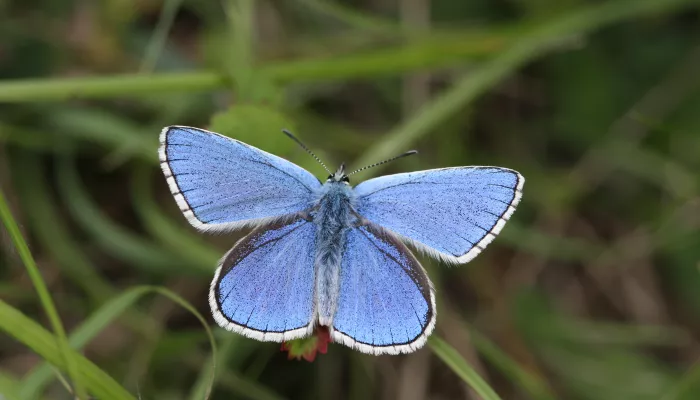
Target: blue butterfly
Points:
(330, 254)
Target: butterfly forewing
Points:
(386, 301)
(223, 184)
(264, 286)
(451, 213)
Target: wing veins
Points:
(451, 230)
(284, 172)
(251, 252)
(408, 273)
(391, 257)
(188, 137)
(503, 186)
(251, 270)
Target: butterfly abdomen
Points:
(333, 218)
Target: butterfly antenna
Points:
(294, 138)
(406, 154)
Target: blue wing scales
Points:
(451, 213)
(264, 286)
(222, 184)
(386, 301)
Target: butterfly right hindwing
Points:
(386, 302)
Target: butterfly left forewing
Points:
(221, 184)
(264, 287)
(386, 303)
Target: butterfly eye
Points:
(346, 179)
(330, 177)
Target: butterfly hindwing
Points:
(223, 184)
(264, 286)
(451, 213)
(386, 302)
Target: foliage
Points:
(590, 292)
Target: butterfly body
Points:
(327, 253)
(333, 217)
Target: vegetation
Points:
(590, 292)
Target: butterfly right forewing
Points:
(450, 213)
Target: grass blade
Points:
(94, 125)
(50, 229)
(200, 389)
(541, 39)
(461, 367)
(448, 103)
(8, 387)
(394, 60)
(357, 20)
(535, 387)
(112, 237)
(37, 379)
(43, 292)
(184, 304)
(684, 388)
(44, 344)
(160, 35)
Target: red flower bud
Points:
(307, 348)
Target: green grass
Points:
(14, 325)
(590, 292)
(85, 374)
(461, 367)
(392, 60)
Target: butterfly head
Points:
(339, 175)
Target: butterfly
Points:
(327, 253)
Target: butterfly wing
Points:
(450, 213)
(222, 184)
(264, 287)
(386, 302)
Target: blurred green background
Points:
(592, 290)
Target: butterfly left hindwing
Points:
(264, 286)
